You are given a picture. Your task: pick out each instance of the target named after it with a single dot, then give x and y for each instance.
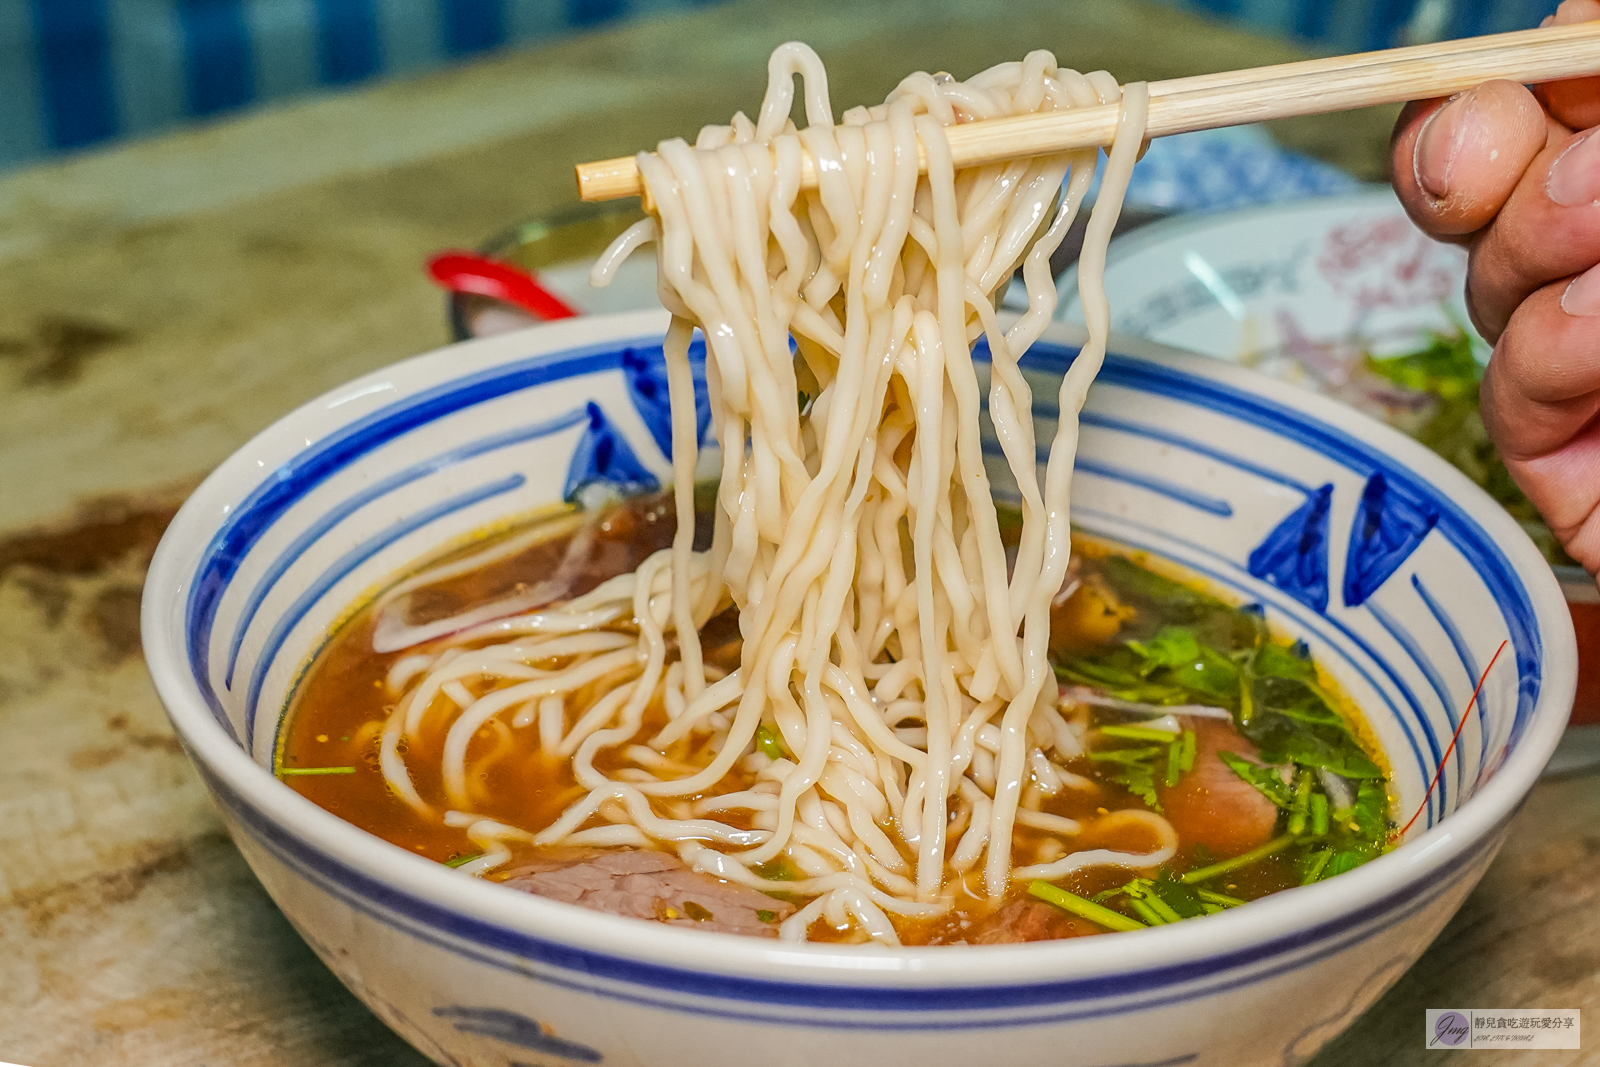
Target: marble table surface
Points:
(164, 300)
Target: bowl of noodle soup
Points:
(870, 764)
(469, 972)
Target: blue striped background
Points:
(81, 72)
(1362, 25)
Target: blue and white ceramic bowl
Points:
(1403, 578)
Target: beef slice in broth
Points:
(1213, 806)
(644, 884)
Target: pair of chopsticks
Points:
(1211, 101)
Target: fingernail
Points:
(1439, 144)
(1582, 297)
(1574, 178)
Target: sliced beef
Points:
(1211, 805)
(649, 885)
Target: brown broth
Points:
(340, 707)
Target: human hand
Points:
(1514, 176)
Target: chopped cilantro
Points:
(1265, 779)
(1181, 647)
(1319, 814)
(1275, 661)
(1312, 864)
(1148, 912)
(770, 744)
(778, 869)
(1300, 809)
(1084, 909)
(1158, 902)
(1342, 861)
(1174, 646)
(1138, 733)
(1255, 855)
(1184, 900)
(1221, 900)
(1135, 771)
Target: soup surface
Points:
(1186, 707)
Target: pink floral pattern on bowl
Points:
(1245, 285)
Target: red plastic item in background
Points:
(1586, 701)
(467, 272)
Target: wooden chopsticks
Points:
(1233, 98)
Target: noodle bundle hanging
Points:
(879, 737)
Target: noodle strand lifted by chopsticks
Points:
(888, 646)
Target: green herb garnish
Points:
(1344, 759)
(1139, 733)
(1084, 909)
(287, 771)
(1221, 900)
(1446, 367)
(778, 869)
(1174, 646)
(766, 916)
(1120, 679)
(1179, 646)
(1135, 771)
(1148, 912)
(461, 861)
(1176, 600)
(1342, 861)
(1300, 809)
(1275, 661)
(770, 744)
(1159, 901)
(1182, 899)
(696, 912)
(1204, 874)
(1176, 656)
(1265, 779)
(1369, 816)
(1312, 864)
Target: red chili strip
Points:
(1452, 747)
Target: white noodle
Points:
(1166, 848)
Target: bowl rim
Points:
(1450, 848)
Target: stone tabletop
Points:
(162, 301)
